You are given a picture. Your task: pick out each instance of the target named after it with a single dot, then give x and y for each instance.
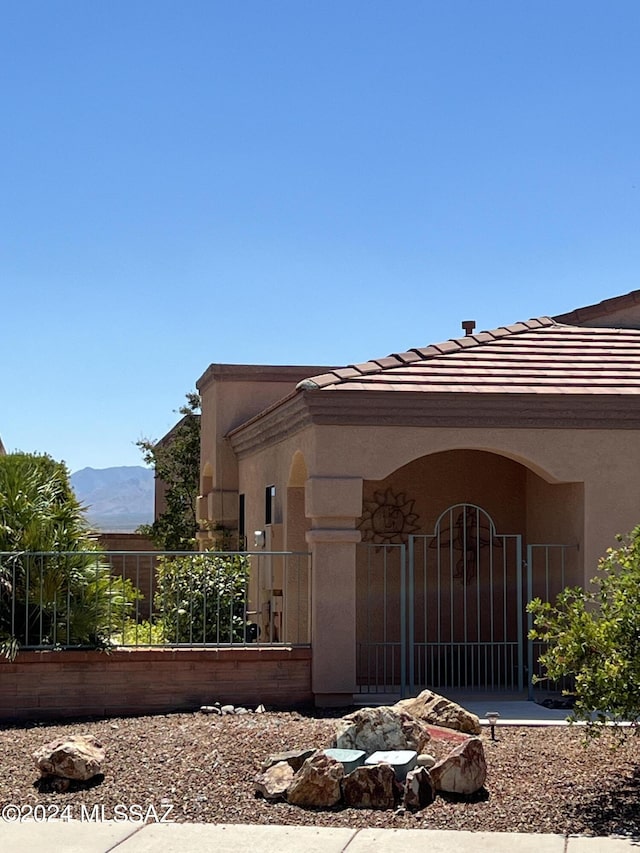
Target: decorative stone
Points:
(77, 757)
(227, 709)
(425, 760)
(463, 771)
(349, 758)
(430, 707)
(401, 760)
(371, 787)
(272, 784)
(317, 783)
(295, 758)
(241, 711)
(260, 709)
(210, 709)
(374, 729)
(419, 790)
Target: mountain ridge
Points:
(116, 499)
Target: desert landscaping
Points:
(205, 766)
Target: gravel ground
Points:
(540, 779)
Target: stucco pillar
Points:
(334, 504)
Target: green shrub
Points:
(201, 598)
(142, 633)
(594, 637)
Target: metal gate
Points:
(446, 612)
(550, 568)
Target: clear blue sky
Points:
(293, 181)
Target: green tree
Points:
(54, 587)
(176, 462)
(593, 637)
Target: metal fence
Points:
(147, 598)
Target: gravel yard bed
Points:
(540, 779)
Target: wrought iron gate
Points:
(550, 568)
(444, 612)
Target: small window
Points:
(241, 519)
(269, 499)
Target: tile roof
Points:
(601, 310)
(539, 356)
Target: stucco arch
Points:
(517, 497)
(534, 456)
(298, 474)
(206, 479)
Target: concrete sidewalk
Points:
(78, 837)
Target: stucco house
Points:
(438, 489)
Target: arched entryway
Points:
(442, 581)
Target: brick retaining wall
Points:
(52, 685)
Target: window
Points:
(242, 529)
(269, 500)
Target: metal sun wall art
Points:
(388, 519)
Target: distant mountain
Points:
(117, 499)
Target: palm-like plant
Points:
(53, 586)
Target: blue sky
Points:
(293, 181)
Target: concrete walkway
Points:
(78, 837)
(515, 712)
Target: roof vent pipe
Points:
(468, 326)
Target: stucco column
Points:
(334, 504)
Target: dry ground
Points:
(540, 779)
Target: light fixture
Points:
(492, 719)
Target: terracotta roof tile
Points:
(425, 352)
(346, 372)
(446, 346)
(389, 361)
(538, 356)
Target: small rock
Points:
(241, 711)
(419, 790)
(77, 757)
(317, 783)
(209, 709)
(260, 709)
(425, 760)
(272, 784)
(295, 758)
(227, 709)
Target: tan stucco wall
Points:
(230, 396)
(604, 461)
(573, 487)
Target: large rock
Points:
(77, 757)
(463, 771)
(432, 708)
(272, 784)
(380, 729)
(317, 783)
(371, 787)
(419, 790)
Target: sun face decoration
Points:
(388, 519)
